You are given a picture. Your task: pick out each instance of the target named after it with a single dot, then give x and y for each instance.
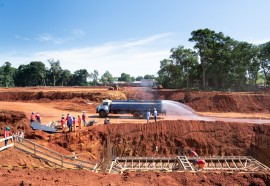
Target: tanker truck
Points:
(137, 108)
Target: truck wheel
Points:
(102, 114)
(136, 115)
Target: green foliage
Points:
(32, 74)
(80, 77)
(138, 78)
(94, 77)
(126, 77)
(107, 78)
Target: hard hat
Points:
(195, 161)
(84, 112)
(7, 128)
(189, 151)
(33, 113)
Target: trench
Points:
(172, 138)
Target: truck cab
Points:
(104, 108)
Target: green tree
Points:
(107, 78)
(149, 77)
(8, 73)
(139, 78)
(65, 77)
(264, 58)
(80, 77)
(186, 60)
(94, 77)
(125, 77)
(55, 69)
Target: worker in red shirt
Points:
(6, 135)
(200, 163)
(67, 119)
(32, 117)
(193, 153)
(84, 118)
(38, 118)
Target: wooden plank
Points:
(5, 147)
(3, 139)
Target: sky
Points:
(120, 36)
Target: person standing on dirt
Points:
(38, 118)
(32, 117)
(74, 123)
(67, 119)
(148, 115)
(6, 135)
(84, 118)
(79, 122)
(155, 114)
(193, 153)
(63, 122)
(200, 163)
(69, 123)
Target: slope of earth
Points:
(250, 102)
(132, 138)
(19, 176)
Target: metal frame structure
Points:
(183, 163)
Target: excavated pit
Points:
(166, 138)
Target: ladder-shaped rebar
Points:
(185, 164)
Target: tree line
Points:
(216, 62)
(36, 74)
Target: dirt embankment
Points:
(166, 138)
(58, 95)
(19, 176)
(14, 119)
(208, 101)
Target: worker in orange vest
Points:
(200, 163)
(79, 121)
(63, 122)
(74, 123)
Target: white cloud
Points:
(20, 37)
(78, 33)
(135, 57)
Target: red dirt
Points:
(133, 137)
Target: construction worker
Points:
(107, 121)
(63, 122)
(148, 115)
(84, 118)
(6, 135)
(38, 118)
(74, 123)
(69, 123)
(200, 163)
(32, 117)
(79, 121)
(193, 153)
(155, 114)
(67, 119)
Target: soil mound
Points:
(14, 119)
(93, 95)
